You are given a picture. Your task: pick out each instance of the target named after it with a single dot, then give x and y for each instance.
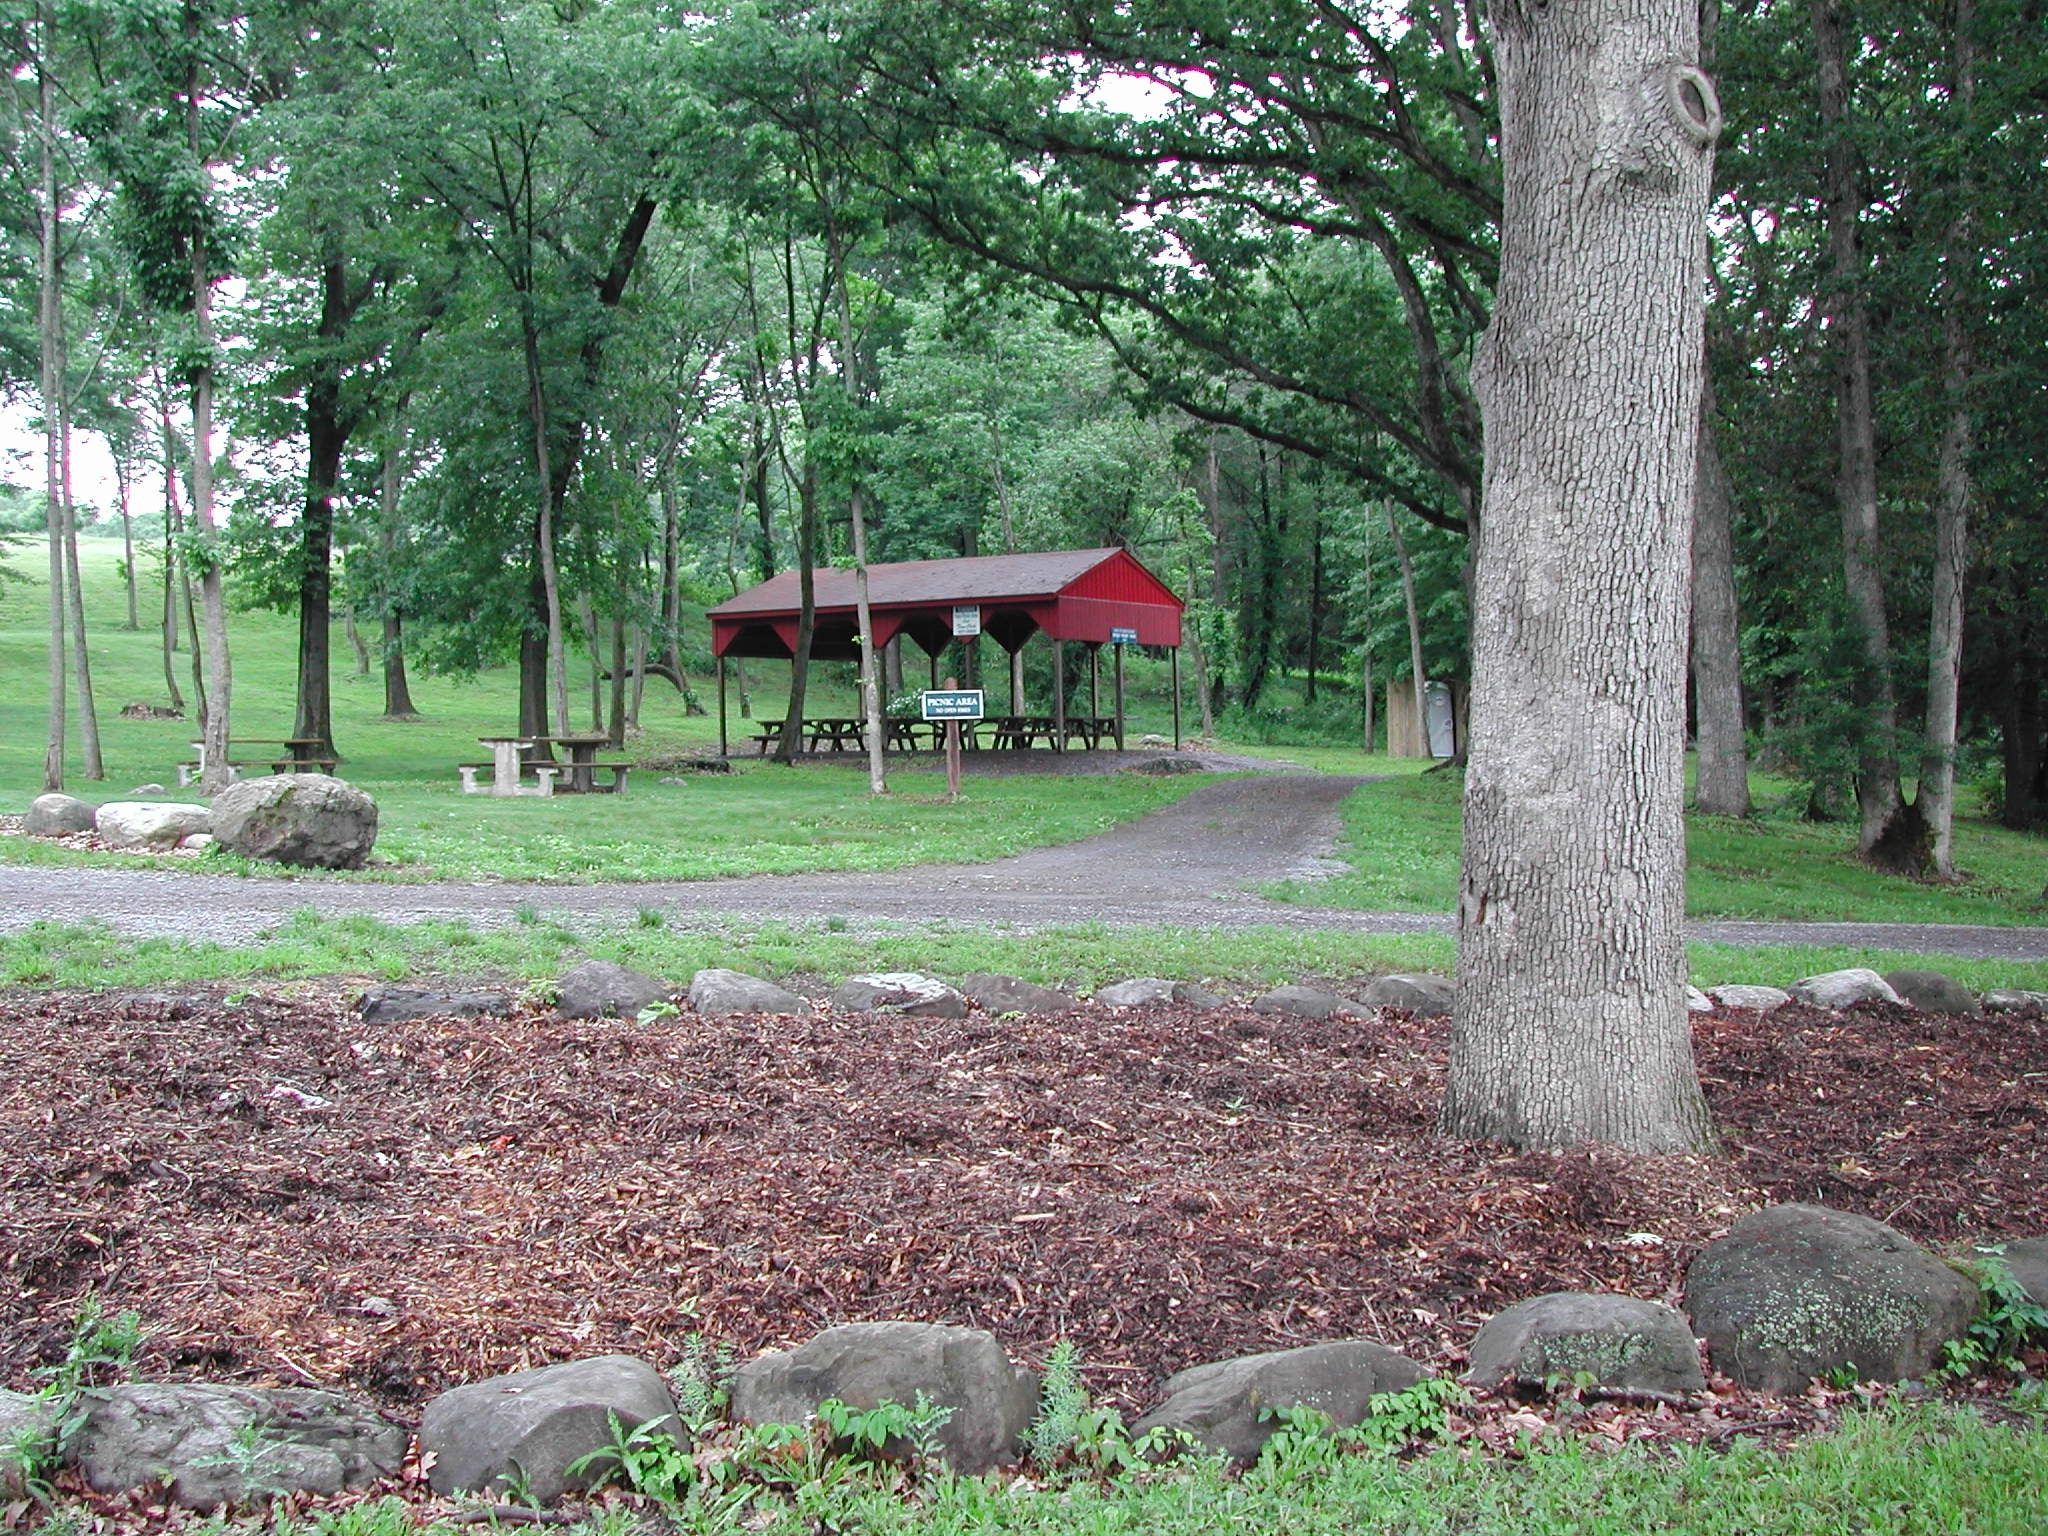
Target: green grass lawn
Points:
(1931, 1470)
(1401, 839)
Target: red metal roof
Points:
(1070, 594)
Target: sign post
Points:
(951, 704)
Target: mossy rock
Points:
(1799, 1292)
(1618, 1342)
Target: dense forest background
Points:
(512, 330)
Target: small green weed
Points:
(648, 1459)
(2007, 1319)
(100, 1348)
(1414, 1416)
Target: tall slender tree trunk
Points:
(174, 570)
(870, 682)
(1877, 770)
(544, 523)
(50, 321)
(81, 659)
(356, 641)
(398, 703)
(1417, 678)
(1570, 1022)
(220, 681)
(1955, 489)
(791, 741)
(124, 489)
(1315, 599)
(1721, 764)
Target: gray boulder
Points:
(1843, 989)
(867, 1364)
(531, 1427)
(1933, 992)
(2027, 1259)
(221, 1445)
(1796, 1292)
(1227, 1405)
(1425, 996)
(1626, 1345)
(308, 820)
(714, 991)
(1306, 1003)
(397, 1005)
(1009, 994)
(899, 992)
(59, 816)
(150, 823)
(1761, 999)
(28, 1431)
(1142, 990)
(1697, 1001)
(2011, 1000)
(598, 989)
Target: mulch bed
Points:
(286, 1193)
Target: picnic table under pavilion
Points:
(1091, 597)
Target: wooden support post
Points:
(1008, 656)
(723, 749)
(934, 659)
(1059, 696)
(1176, 698)
(1095, 680)
(952, 748)
(1119, 698)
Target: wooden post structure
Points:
(1095, 680)
(1059, 696)
(952, 747)
(934, 659)
(1176, 698)
(1007, 655)
(1119, 698)
(723, 750)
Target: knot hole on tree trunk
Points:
(1692, 104)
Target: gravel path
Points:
(1196, 864)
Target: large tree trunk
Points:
(1722, 762)
(1570, 1023)
(314, 718)
(1877, 770)
(220, 681)
(1955, 485)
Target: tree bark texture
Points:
(1877, 773)
(1570, 1023)
(1417, 678)
(1955, 487)
(1721, 763)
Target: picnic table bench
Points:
(512, 756)
(1027, 730)
(298, 756)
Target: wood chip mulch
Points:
(285, 1193)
